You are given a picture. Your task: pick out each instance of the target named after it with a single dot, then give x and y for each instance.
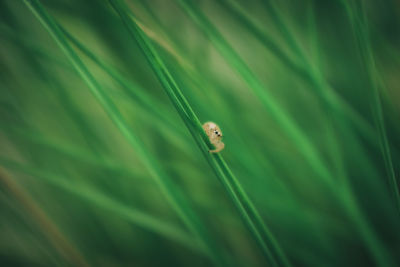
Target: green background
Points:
(102, 157)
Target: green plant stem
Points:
(291, 130)
(247, 210)
(174, 196)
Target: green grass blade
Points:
(130, 88)
(287, 34)
(291, 130)
(360, 29)
(373, 74)
(67, 150)
(133, 90)
(100, 200)
(250, 163)
(246, 209)
(241, 16)
(304, 68)
(173, 195)
(57, 239)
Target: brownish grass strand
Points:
(96, 198)
(48, 228)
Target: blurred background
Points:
(306, 94)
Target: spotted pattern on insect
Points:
(215, 135)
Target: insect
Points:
(215, 135)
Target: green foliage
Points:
(101, 101)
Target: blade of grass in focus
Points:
(175, 197)
(267, 242)
(250, 163)
(281, 117)
(102, 196)
(305, 146)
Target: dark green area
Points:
(103, 161)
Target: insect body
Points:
(215, 135)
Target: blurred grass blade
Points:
(250, 163)
(32, 46)
(241, 16)
(361, 31)
(304, 68)
(133, 90)
(49, 229)
(130, 88)
(377, 105)
(291, 130)
(247, 210)
(287, 34)
(85, 193)
(67, 150)
(175, 197)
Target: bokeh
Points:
(102, 165)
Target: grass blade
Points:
(49, 229)
(98, 199)
(291, 130)
(247, 210)
(173, 195)
(377, 106)
(304, 69)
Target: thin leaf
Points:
(247, 210)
